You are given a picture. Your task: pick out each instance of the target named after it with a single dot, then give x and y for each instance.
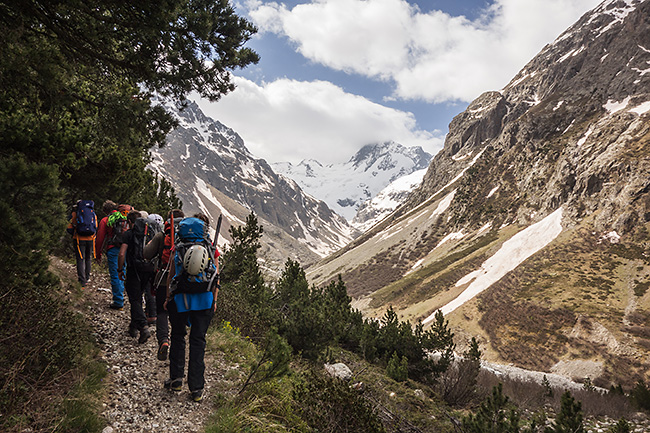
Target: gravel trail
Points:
(136, 400)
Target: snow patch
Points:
(614, 106)
(569, 127)
(203, 189)
(491, 193)
(511, 254)
(483, 229)
(444, 204)
(618, 13)
(584, 137)
(451, 237)
(522, 78)
(612, 237)
(641, 109)
(559, 104)
(462, 157)
(414, 267)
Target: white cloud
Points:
(289, 120)
(431, 56)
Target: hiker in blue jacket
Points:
(196, 308)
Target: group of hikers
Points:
(169, 270)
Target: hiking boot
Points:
(174, 384)
(197, 395)
(116, 307)
(144, 335)
(163, 350)
(133, 330)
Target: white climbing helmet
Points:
(196, 259)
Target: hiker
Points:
(109, 239)
(147, 290)
(135, 281)
(160, 246)
(83, 227)
(192, 290)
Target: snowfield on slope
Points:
(511, 254)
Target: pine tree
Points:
(569, 419)
(495, 415)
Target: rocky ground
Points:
(136, 400)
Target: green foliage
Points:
(495, 415)
(622, 426)
(272, 361)
(458, 384)
(328, 405)
(588, 385)
(312, 318)
(244, 298)
(44, 343)
(81, 407)
(302, 313)
(569, 419)
(77, 120)
(474, 352)
(397, 369)
(380, 340)
(32, 220)
(640, 396)
(548, 389)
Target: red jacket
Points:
(104, 233)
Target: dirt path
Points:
(136, 400)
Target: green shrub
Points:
(495, 414)
(381, 340)
(640, 396)
(622, 426)
(569, 419)
(397, 368)
(328, 405)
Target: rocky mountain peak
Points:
(535, 215)
(346, 186)
(213, 172)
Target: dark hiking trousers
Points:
(84, 255)
(135, 285)
(162, 317)
(200, 321)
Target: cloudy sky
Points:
(336, 75)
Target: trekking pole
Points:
(215, 245)
(216, 234)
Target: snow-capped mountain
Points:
(213, 172)
(530, 228)
(346, 186)
(387, 200)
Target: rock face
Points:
(213, 172)
(535, 215)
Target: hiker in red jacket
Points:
(106, 241)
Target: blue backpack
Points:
(191, 232)
(86, 218)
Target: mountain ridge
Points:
(570, 134)
(213, 172)
(346, 187)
